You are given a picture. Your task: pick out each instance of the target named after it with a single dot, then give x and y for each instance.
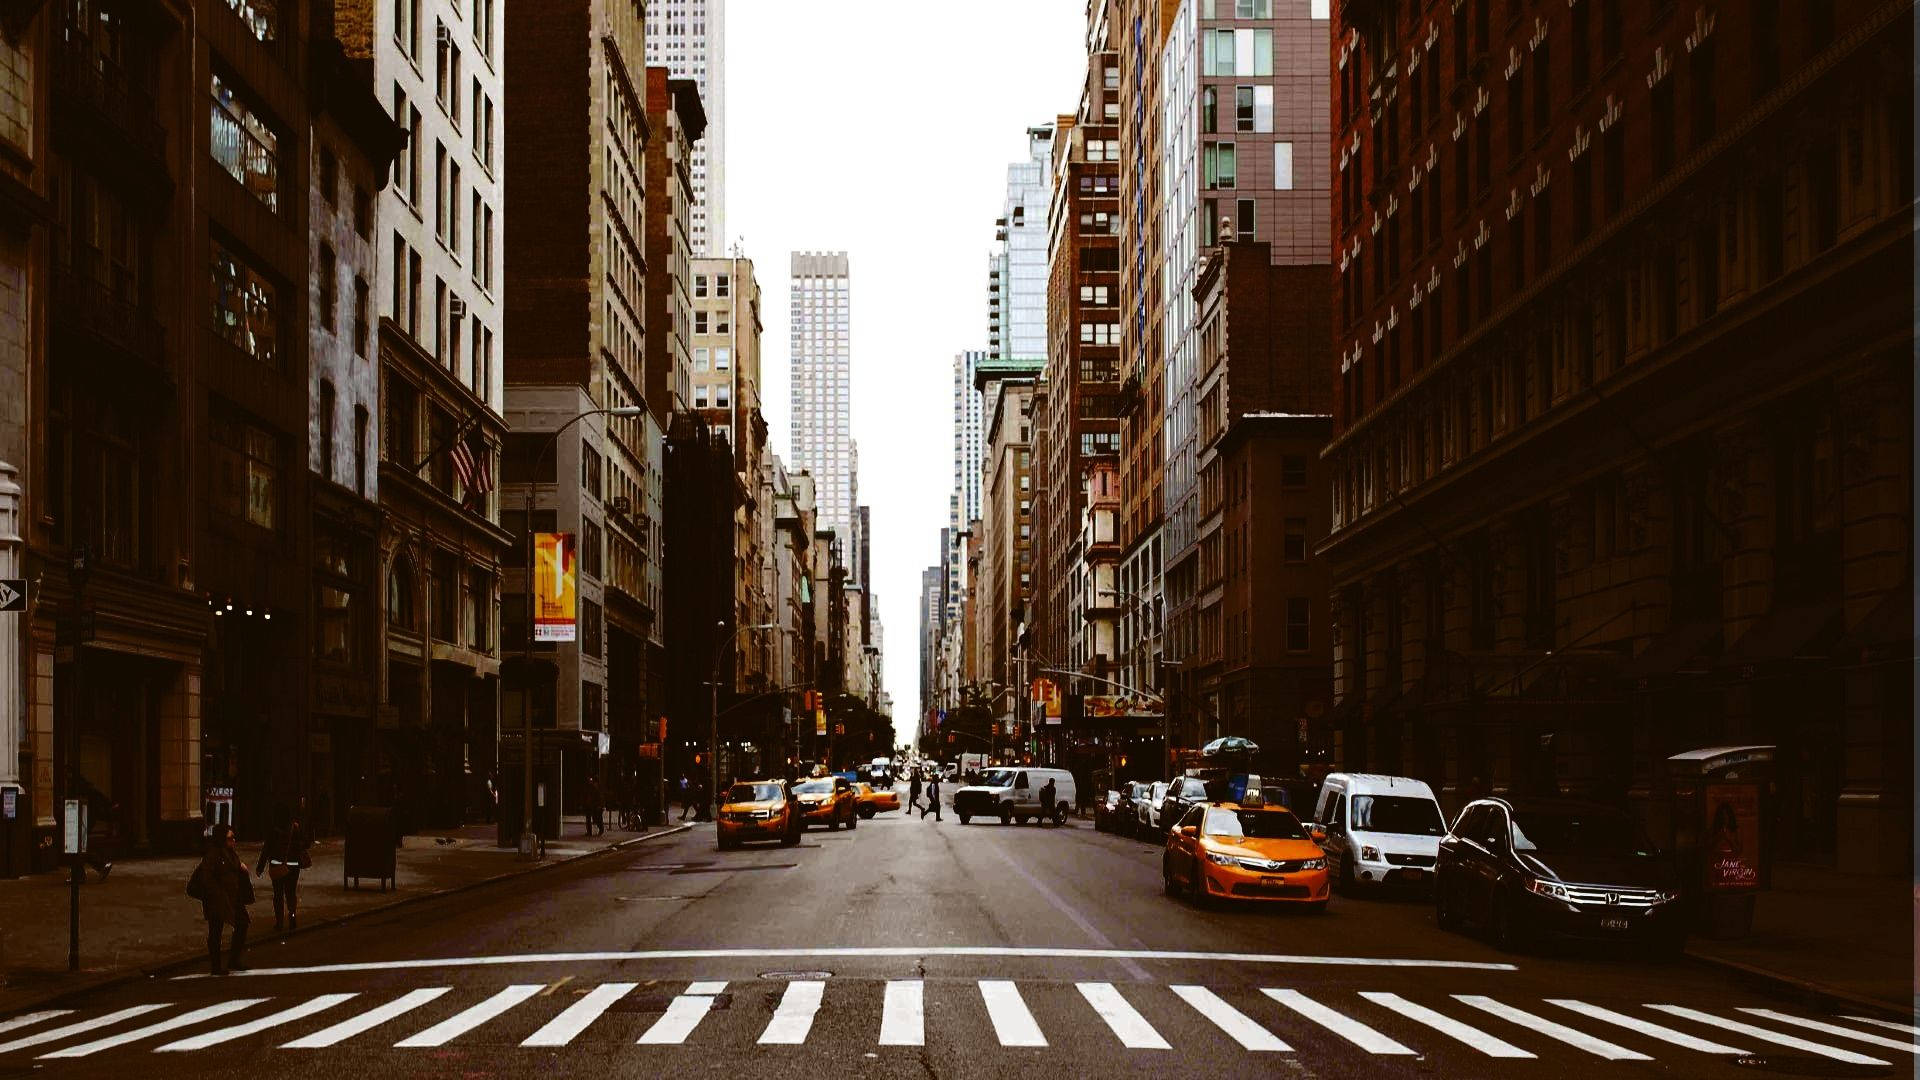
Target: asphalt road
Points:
(911, 947)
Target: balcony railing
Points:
(98, 312)
(85, 78)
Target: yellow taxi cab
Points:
(871, 801)
(1244, 851)
(827, 800)
(758, 810)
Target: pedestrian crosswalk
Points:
(1038, 1016)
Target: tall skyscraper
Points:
(963, 505)
(1017, 269)
(822, 435)
(689, 38)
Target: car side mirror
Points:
(1318, 834)
(1189, 830)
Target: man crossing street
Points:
(933, 800)
(913, 791)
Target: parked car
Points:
(1527, 869)
(1181, 795)
(1381, 830)
(827, 800)
(870, 800)
(1146, 817)
(1243, 851)
(1013, 794)
(758, 810)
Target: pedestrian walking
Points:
(686, 797)
(596, 809)
(1049, 801)
(933, 800)
(102, 817)
(286, 854)
(913, 793)
(224, 890)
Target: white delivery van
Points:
(1013, 794)
(1381, 830)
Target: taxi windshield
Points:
(815, 787)
(753, 793)
(1254, 824)
(1397, 814)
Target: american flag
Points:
(472, 470)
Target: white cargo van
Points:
(1013, 794)
(1381, 830)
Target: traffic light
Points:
(996, 729)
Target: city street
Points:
(942, 949)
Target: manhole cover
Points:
(788, 976)
(1794, 1065)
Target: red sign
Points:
(1733, 837)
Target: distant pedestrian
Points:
(1049, 801)
(933, 800)
(596, 808)
(102, 818)
(286, 854)
(686, 797)
(221, 885)
(913, 793)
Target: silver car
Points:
(1147, 811)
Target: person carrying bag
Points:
(287, 852)
(224, 890)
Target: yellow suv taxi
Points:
(827, 800)
(1244, 851)
(758, 810)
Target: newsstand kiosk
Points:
(1718, 832)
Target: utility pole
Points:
(75, 819)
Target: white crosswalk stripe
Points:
(1012, 1022)
(81, 1027)
(794, 1018)
(1235, 1023)
(1127, 1024)
(1552, 1030)
(903, 1017)
(574, 1019)
(1834, 1029)
(1646, 1027)
(1349, 1029)
(159, 1027)
(1763, 1035)
(683, 1014)
(466, 1020)
(1888, 1024)
(255, 1027)
(367, 1021)
(31, 1019)
(1446, 1025)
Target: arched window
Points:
(400, 594)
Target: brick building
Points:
(1623, 455)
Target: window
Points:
(1220, 167)
(400, 589)
(333, 632)
(400, 435)
(1209, 109)
(1293, 472)
(476, 610)
(243, 307)
(699, 322)
(325, 417)
(360, 423)
(246, 471)
(443, 595)
(1542, 88)
(592, 548)
(1663, 127)
(1253, 108)
(1582, 15)
(244, 145)
(1700, 78)
(1299, 637)
(1294, 545)
(722, 359)
(329, 176)
(329, 287)
(1243, 220)
(406, 26)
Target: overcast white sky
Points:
(884, 128)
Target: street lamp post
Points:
(527, 833)
(713, 718)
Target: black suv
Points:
(1183, 794)
(1530, 868)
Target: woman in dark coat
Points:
(282, 859)
(224, 893)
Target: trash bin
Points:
(1717, 831)
(369, 848)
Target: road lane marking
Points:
(1446, 1025)
(1353, 1031)
(574, 1019)
(55, 1034)
(903, 1016)
(366, 1021)
(1908, 1028)
(174, 1023)
(794, 1018)
(1764, 1035)
(1012, 1023)
(1125, 1021)
(1835, 1029)
(906, 952)
(1552, 1030)
(32, 1018)
(683, 1014)
(255, 1027)
(471, 1017)
(1250, 1035)
(1646, 1027)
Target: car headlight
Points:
(1666, 896)
(1315, 864)
(1369, 853)
(1552, 889)
(1217, 859)
(763, 815)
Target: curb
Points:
(165, 967)
(1805, 990)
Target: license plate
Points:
(1616, 924)
(1272, 882)
(1410, 875)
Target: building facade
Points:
(1622, 463)
(689, 39)
(821, 375)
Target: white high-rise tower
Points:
(689, 37)
(822, 430)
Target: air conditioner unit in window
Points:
(456, 308)
(443, 34)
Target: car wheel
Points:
(1196, 887)
(1318, 907)
(1508, 931)
(867, 812)
(790, 838)
(1006, 816)
(1444, 915)
(1166, 876)
(964, 818)
(1347, 884)
(833, 824)
(727, 844)
(853, 819)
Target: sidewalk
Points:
(140, 918)
(1844, 936)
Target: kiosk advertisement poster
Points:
(555, 598)
(1733, 837)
